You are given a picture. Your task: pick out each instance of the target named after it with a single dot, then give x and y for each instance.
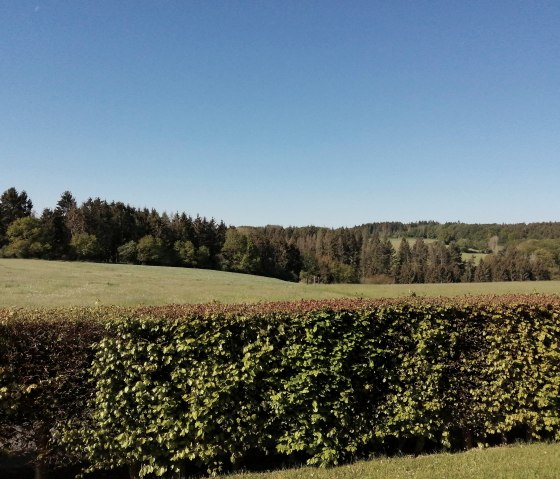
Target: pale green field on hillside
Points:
(36, 283)
(534, 461)
(476, 256)
(395, 242)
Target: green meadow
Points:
(38, 283)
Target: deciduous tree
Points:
(85, 246)
(13, 205)
(25, 238)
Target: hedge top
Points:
(176, 311)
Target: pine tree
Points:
(419, 260)
(402, 267)
(483, 272)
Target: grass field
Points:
(532, 461)
(36, 283)
(476, 256)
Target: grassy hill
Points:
(36, 283)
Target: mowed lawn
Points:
(36, 283)
(533, 461)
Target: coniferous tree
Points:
(419, 260)
(483, 272)
(469, 271)
(456, 264)
(376, 257)
(402, 268)
(55, 226)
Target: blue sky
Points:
(332, 113)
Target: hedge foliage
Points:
(45, 361)
(161, 388)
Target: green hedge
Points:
(45, 361)
(212, 385)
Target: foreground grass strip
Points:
(532, 461)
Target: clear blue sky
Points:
(330, 113)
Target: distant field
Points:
(396, 242)
(36, 283)
(534, 461)
(476, 256)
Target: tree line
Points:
(428, 252)
(115, 232)
(360, 254)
